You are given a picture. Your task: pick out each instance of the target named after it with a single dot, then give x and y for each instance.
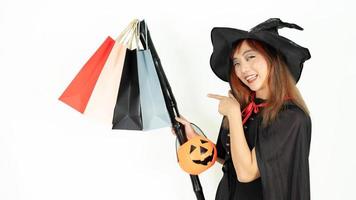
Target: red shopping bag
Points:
(78, 92)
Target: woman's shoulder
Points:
(290, 121)
(293, 113)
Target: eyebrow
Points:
(244, 53)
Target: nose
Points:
(244, 67)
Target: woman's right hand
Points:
(189, 131)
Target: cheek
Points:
(261, 68)
(239, 76)
(265, 70)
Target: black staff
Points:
(171, 103)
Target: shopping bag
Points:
(153, 106)
(78, 92)
(127, 112)
(103, 99)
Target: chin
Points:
(255, 87)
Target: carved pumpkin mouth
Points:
(206, 160)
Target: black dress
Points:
(282, 155)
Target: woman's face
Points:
(252, 69)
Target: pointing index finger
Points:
(215, 96)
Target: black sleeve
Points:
(282, 153)
(219, 148)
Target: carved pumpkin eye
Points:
(203, 150)
(192, 148)
(203, 141)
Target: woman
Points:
(264, 148)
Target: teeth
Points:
(251, 77)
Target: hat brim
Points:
(224, 38)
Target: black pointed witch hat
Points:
(224, 38)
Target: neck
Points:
(261, 95)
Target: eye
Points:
(250, 57)
(236, 64)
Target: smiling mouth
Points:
(252, 78)
(206, 160)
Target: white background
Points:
(50, 151)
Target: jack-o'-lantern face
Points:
(197, 155)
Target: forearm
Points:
(240, 151)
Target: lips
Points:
(251, 78)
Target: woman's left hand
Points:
(228, 104)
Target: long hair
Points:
(280, 83)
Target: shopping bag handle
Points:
(144, 36)
(127, 35)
